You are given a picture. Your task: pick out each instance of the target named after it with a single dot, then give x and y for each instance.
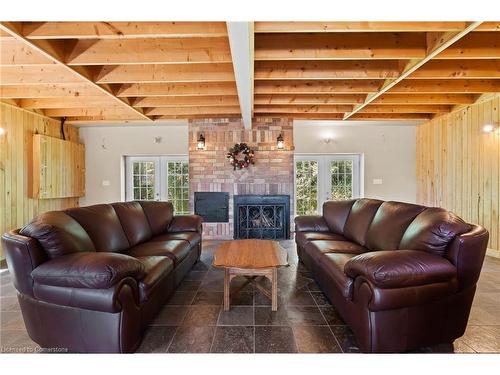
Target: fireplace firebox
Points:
(262, 216)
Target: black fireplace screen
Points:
(262, 216)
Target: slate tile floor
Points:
(193, 321)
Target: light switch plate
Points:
(377, 181)
(105, 183)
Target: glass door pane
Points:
(178, 185)
(306, 187)
(143, 178)
(341, 179)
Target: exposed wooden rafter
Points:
(438, 47)
(49, 51)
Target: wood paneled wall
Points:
(458, 166)
(16, 144)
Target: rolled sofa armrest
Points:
(311, 223)
(400, 268)
(90, 270)
(185, 223)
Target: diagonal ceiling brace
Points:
(444, 42)
(50, 52)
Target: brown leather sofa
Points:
(89, 279)
(402, 276)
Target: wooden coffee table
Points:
(252, 259)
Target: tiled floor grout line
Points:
(326, 320)
(187, 311)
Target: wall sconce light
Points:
(201, 142)
(489, 128)
(2, 131)
(280, 142)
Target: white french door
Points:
(319, 178)
(158, 178)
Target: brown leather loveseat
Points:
(89, 279)
(402, 276)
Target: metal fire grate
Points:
(264, 217)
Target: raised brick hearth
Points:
(209, 170)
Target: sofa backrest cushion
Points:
(432, 231)
(103, 226)
(134, 222)
(159, 215)
(359, 219)
(335, 214)
(58, 234)
(389, 225)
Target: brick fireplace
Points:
(210, 171)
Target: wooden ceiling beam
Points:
(15, 52)
(66, 102)
(50, 51)
(216, 72)
(177, 89)
(36, 74)
(337, 27)
(474, 46)
(453, 69)
(302, 108)
(406, 108)
(149, 51)
(416, 86)
(340, 46)
(187, 101)
(113, 111)
(439, 45)
(391, 116)
(284, 99)
(375, 69)
(337, 69)
(49, 91)
(187, 111)
(359, 116)
(122, 30)
(317, 87)
(410, 98)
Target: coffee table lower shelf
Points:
(252, 275)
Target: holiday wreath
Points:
(233, 153)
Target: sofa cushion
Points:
(58, 234)
(194, 238)
(159, 215)
(335, 214)
(433, 230)
(346, 247)
(156, 269)
(302, 237)
(389, 224)
(88, 270)
(333, 264)
(103, 226)
(399, 269)
(176, 250)
(360, 218)
(134, 222)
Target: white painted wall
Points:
(106, 146)
(389, 152)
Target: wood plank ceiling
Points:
(360, 70)
(148, 71)
(118, 71)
